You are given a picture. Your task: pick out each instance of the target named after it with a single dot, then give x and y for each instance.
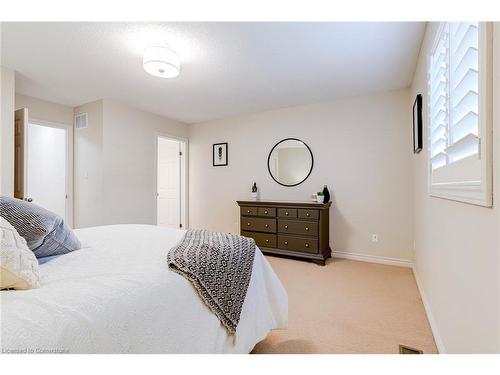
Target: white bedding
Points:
(118, 296)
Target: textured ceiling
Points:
(227, 68)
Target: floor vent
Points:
(403, 349)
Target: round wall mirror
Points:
(290, 162)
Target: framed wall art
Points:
(219, 154)
(417, 124)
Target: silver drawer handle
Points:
(248, 224)
(286, 226)
(307, 229)
(267, 241)
(308, 214)
(248, 211)
(265, 212)
(286, 242)
(286, 213)
(267, 226)
(307, 245)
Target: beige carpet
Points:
(349, 307)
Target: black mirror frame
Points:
(310, 170)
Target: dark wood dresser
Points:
(296, 229)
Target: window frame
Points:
(473, 192)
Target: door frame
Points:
(184, 178)
(69, 161)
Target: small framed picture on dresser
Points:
(219, 154)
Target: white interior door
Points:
(169, 183)
(21, 124)
(46, 167)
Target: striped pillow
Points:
(45, 233)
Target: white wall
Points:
(40, 109)
(361, 148)
(458, 245)
(7, 95)
(88, 169)
(115, 163)
(129, 152)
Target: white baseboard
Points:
(430, 317)
(373, 259)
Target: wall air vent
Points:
(81, 121)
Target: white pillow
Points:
(18, 264)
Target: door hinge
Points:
(180, 225)
(180, 153)
(479, 147)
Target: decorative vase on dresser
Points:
(326, 194)
(295, 229)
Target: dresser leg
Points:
(329, 253)
(318, 262)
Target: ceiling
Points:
(226, 68)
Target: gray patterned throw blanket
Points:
(220, 266)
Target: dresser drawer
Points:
(305, 245)
(308, 214)
(261, 239)
(258, 224)
(308, 228)
(248, 211)
(287, 212)
(269, 212)
(295, 229)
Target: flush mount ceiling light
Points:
(161, 61)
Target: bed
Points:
(117, 295)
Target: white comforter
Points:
(117, 295)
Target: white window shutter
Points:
(438, 106)
(459, 115)
(464, 91)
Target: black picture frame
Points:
(417, 124)
(269, 158)
(219, 154)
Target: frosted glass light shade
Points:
(161, 61)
